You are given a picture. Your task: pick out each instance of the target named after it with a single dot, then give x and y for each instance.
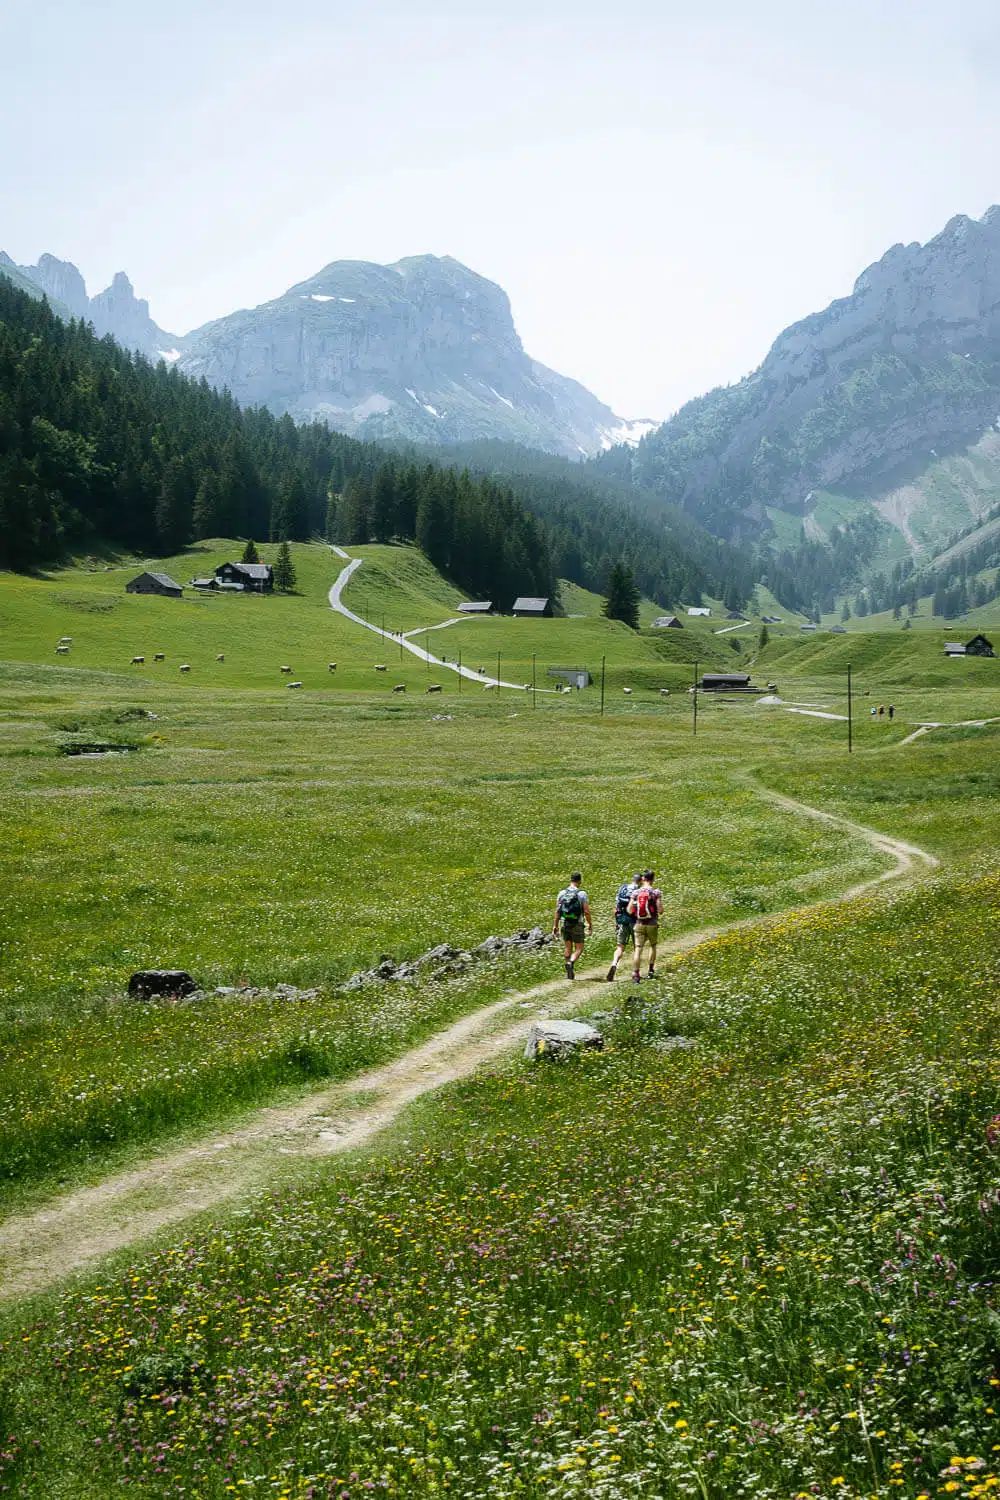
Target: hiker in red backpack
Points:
(572, 910)
(647, 907)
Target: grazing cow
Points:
(664, 692)
(65, 640)
(185, 667)
(221, 656)
(138, 661)
(400, 687)
(380, 668)
(627, 692)
(62, 650)
(294, 684)
(286, 669)
(435, 687)
(159, 656)
(332, 666)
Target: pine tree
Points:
(621, 602)
(384, 504)
(250, 553)
(208, 506)
(174, 508)
(763, 638)
(284, 570)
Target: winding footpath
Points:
(75, 1230)
(337, 603)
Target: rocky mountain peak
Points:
(424, 349)
(905, 365)
(116, 310)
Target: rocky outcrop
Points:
(424, 350)
(907, 364)
(116, 311)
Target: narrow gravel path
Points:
(336, 602)
(77, 1229)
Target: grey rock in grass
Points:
(560, 1038)
(673, 1044)
(148, 982)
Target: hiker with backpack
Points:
(624, 923)
(646, 906)
(572, 910)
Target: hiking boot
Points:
(636, 977)
(569, 968)
(611, 973)
(652, 973)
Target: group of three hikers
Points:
(638, 908)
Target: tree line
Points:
(100, 446)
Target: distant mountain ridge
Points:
(859, 399)
(116, 311)
(424, 350)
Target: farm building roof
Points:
(529, 604)
(166, 580)
(954, 648)
(476, 607)
(252, 570)
(667, 622)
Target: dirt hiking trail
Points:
(77, 1228)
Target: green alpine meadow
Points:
(500, 752)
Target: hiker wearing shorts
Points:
(572, 911)
(624, 924)
(646, 907)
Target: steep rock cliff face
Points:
(908, 363)
(424, 349)
(116, 311)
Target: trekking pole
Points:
(603, 660)
(695, 729)
(534, 700)
(850, 735)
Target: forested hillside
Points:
(98, 446)
(595, 518)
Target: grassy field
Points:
(291, 840)
(762, 1266)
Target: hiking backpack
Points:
(570, 905)
(625, 894)
(645, 904)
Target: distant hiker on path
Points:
(646, 906)
(892, 711)
(624, 924)
(572, 910)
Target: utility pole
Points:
(427, 652)
(400, 645)
(498, 674)
(695, 700)
(850, 722)
(534, 699)
(460, 671)
(603, 660)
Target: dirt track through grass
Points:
(77, 1229)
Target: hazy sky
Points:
(660, 185)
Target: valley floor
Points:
(747, 1250)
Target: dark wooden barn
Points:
(155, 583)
